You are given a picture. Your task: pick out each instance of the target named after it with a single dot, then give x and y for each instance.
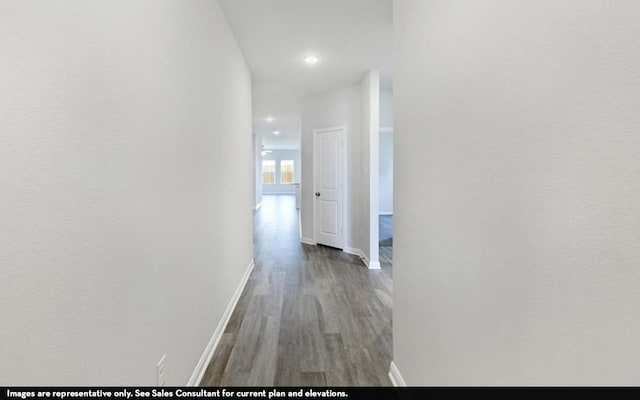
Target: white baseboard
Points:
(370, 264)
(257, 206)
(375, 265)
(386, 213)
(278, 193)
(395, 376)
(205, 359)
(363, 257)
(308, 241)
(353, 251)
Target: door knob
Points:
(317, 194)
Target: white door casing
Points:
(328, 175)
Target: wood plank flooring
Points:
(386, 256)
(308, 316)
(386, 240)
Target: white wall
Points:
(386, 152)
(279, 155)
(328, 110)
(386, 172)
(120, 121)
(370, 114)
(517, 183)
(357, 108)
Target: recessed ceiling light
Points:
(276, 132)
(269, 119)
(311, 60)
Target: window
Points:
(286, 172)
(269, 172)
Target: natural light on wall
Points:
(268, 172)
(286, 172)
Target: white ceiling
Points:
(349, 36)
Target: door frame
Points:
(343, 144)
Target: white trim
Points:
(357, 252)
(257, 206)
(278, 193)
(373, 76)
(370, 264)
(374, 265)
(383, 213)
(394, 375)
(365, 260)
(205, 359)
(345, 167)
(308, 241)
(353, 251)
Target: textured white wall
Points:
(517, 192)
(120, 121)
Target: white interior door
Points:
(328, 176)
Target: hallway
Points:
(307, 316)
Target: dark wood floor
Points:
(309, 315)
